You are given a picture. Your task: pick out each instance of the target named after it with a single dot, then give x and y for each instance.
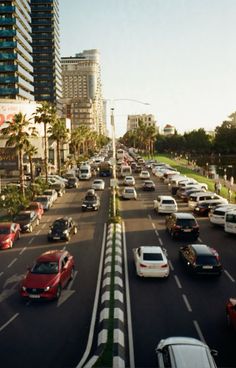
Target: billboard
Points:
(8, 159)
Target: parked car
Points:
(72, 181)
(27, 220)
(129, 193)
(148, 185)
(165, 204)
(59, 187)
(91, 201)
(180, 352)
(197, 198)
(9, 233)
(217, 214)
(181, 224)
(231, 312)
(144, 174)
(98, 184)
(50, 273)
(200, 259)
(36, 207)
(44, 200)
(129, 181)
(62, 229)
(52, 193)
(151, 261)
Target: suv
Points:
(27, 220)
(200, 259)
(91, 201)
(178, 352)
(62, 229)
(182, 224)
(165, 204)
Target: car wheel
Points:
(58, 294)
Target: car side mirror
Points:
(214, 352)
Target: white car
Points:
(165, 204)
(129, 193)
(217, 215)
(52, 193)
(151, 261)
(144, 175)
(98, 184)
(129, 180)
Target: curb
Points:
(114, 230)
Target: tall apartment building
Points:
(82, 94)
(147, 119)
(46, 51)
(16, 71)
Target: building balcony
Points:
(7, 45)
(7, 33)
(9, 91)
(8, 68)
(8, 80)
(7, 9)
(7, 21)
(7, 56)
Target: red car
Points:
(9, 233)
(231, 312)
(36, 207)
(50, 273)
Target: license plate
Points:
(207, 267)
(187, 230)
(33, 296)
(56, 237)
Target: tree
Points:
(46, 114)
(59, 133)
(17, 134)
(31, 151)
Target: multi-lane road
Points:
(55, 334)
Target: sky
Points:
(177, 56)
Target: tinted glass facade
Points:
(46, 51)
(16, 71)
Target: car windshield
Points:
(4, 230)
(186, 222)
(129, 190)
(152, 257)
(33, 207)
(60, 224)
(48, 192)
(90, 198)
(45, 268)
(41, 199)
(207, 260)
(168, 201)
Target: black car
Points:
(73, 182)
(91, 201)
(203, 208)
(200, 259)
(181, 224)
(148, 185)
(27, 220)
(62, 229)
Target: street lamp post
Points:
(114, 161)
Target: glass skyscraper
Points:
(16, 70)
(46, 51)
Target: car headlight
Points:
(47, 288)
(50, 231)
(65, 232)
(6, 241)
(24, 288)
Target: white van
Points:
(217, 215)
(85, 172)
(230, 222)
(199, 197)
(125, 170)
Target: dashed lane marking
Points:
(1, 273)
(38, 232)
(9, 321)
(12, 262)
(30, 241)
(196, 325)
(229, 276)
(22, 250)
(171, 265)
(153, 225)
(160, 241)
(178, 282)
(188, 306)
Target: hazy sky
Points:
(177, 55)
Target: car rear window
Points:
(207, 260)
(186, 222)
(152, 257)
(168, 201)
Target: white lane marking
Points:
(12, 262)
(229, 276)
(22, 250)
(1, 273)
(171, 265)
(188, 306)
(199, 331)
(153, 225)
(156, 232)
(9, 321)
(150, 217)
(178, 282)
(160, 241)
(72, 281)
(95, 305)
(64, 248)
(38, 232)
(43, 226)
(128, 305)
(30, 241)
(200, 240)
(48, 219)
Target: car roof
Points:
(201, 249)
(151, 249)
(165, 197)
(184, 215)
(52, 255)
(181, 340)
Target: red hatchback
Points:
(231, 312)
(48, 276)
(36, 207)
(9, 233)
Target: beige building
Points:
(169, 129)
(147, 119)
(82, 94)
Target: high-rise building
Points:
(46, 51)
(82, 94)
(16, 71)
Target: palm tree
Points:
(31, 151)
(59, 133)
(17, 134)
(46, 114)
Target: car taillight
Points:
(195, 227)
(142, 265)
(164, 265)
(176, 227)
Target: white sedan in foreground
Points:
(151, 261)
(129, 193)
(98, 184)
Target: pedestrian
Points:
(215, 186)
(225, 179)
(229, 194)
(218, 188)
